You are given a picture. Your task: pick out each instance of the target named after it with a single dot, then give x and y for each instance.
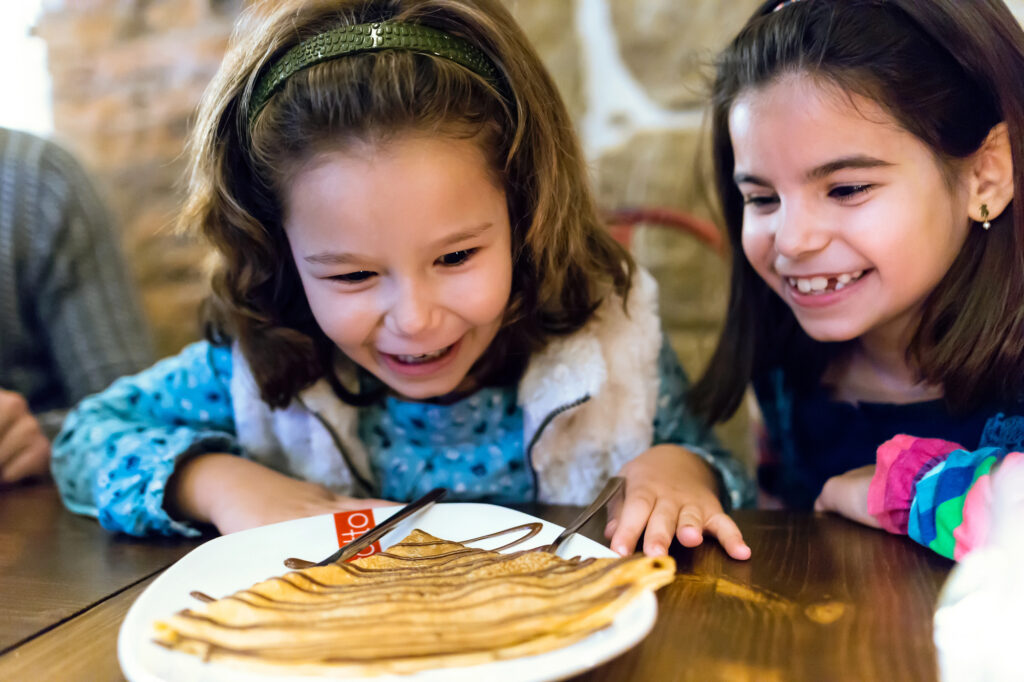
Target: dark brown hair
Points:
(948, 71)
(564, 261)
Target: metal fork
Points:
(381, 529)
(607, 492)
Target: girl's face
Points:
(404, 251)
(847, 216)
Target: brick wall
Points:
(126, 78)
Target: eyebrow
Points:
(824, 170)
(336, 258)
(462, 235)
(332, 258)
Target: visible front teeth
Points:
(819, 284)
(425, 357)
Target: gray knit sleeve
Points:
(82, 290)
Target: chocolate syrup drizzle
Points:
(437, 583)
(532, 529)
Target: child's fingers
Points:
(729, 536)
(22, 435)
(661, 527)
(635, 512)
(609, 529)
(13, 407)
(690, 526)
(847, 494)
(33, 460)
(614, 508)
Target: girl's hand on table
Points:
(24, 448)
(672, 492)
(847, 494)
(235, 494)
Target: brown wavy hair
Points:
(564, 261)
(947, 71)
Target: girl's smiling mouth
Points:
(422, 363)
(422, 358)
(817, 285)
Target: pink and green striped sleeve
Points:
(935, 491)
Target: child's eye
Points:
(760, 200)
(846, 192)
(353, 277)
(456, 257)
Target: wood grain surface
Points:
(820, 599)
(55, 565)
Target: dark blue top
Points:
(810, 437)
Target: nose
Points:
(799, 232)
(412, 310)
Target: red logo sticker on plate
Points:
(350, 525)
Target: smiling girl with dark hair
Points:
(867, 156)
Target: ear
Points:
(990, 175)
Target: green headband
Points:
(381, 35)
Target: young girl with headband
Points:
(867, 156)
(413, 289)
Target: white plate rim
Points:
(142, 660)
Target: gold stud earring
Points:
(984, 216)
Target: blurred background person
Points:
(69, 320)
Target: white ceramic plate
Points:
(229, 563)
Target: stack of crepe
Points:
(424, 603)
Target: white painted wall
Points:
(617, 105)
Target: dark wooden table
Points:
(821, 599)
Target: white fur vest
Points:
(611, 364)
